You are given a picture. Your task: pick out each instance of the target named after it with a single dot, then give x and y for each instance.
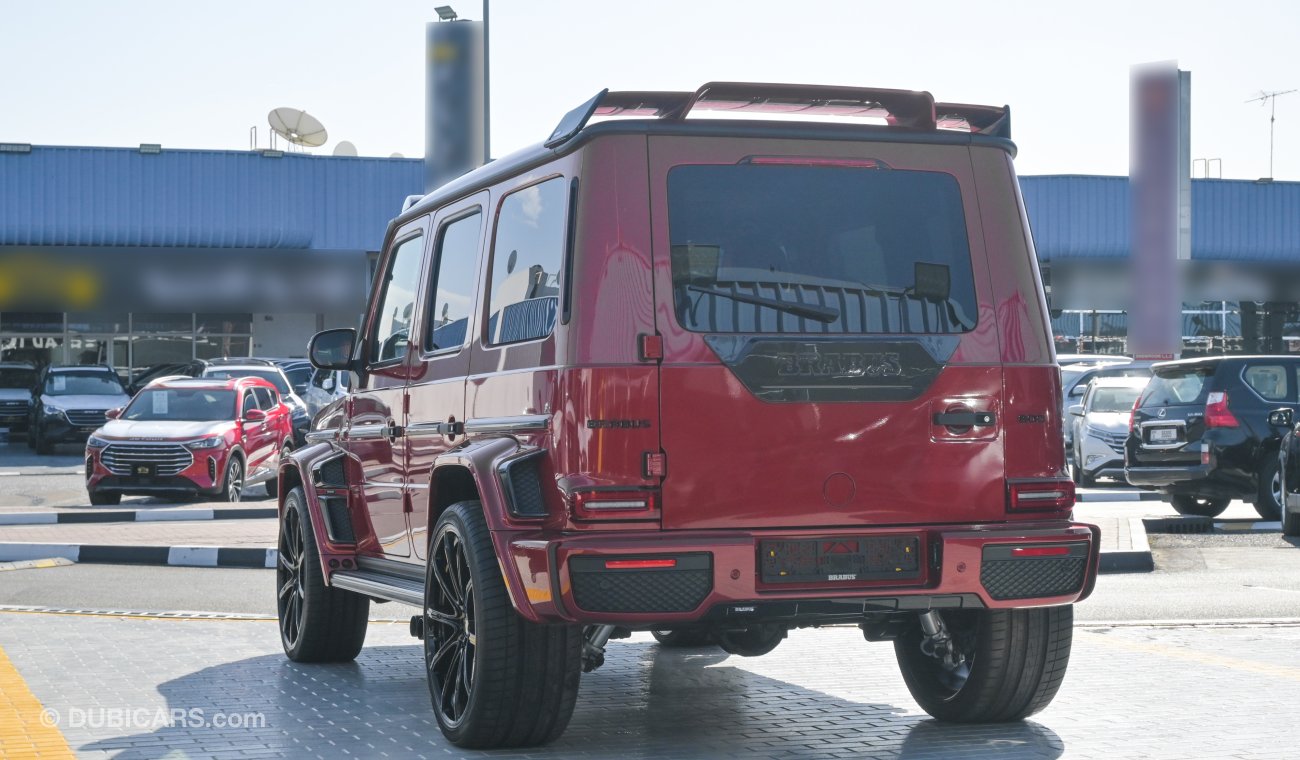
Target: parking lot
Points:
(138, 661)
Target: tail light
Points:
(1217, 413)
(1056, 495)
(1133, 412)
(615, 505)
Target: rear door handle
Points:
(965, 419)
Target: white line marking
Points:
(192, 556)
(164, 515)
(14, 552)
(28, 518)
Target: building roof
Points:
(1087, 217)
(67, 196)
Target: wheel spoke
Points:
(448, 688)
(289, 585)
(447, 647)
(451, 621)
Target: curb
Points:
(1136, 560)
(178, 556)
(1120, 496)
(135, 515)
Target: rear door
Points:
(831, 344)
(1169, 419)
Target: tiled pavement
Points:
(1131, 692)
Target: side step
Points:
(384, 586)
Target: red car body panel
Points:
(620, 383)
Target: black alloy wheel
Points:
(450, 641)
(289, 578)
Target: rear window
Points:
(1178, 387)
(819, 249)
(1114, 399)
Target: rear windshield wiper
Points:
(824, 314)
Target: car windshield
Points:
(273, 376)
(83, 383)
(1114, 399)
(1070, 376)
(774, 248)
(1184, 386)
(188, 404)
(17, 377)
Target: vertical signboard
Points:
(454, 115)
(1160, 220)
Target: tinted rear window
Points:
(819, 249)
(1178, 387)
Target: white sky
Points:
(198, 75)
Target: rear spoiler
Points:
(909, 109)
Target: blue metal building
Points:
(117, 207)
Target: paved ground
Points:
(146, 688)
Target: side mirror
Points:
(1078, 389)
(1076, 410)
(327, 385)
(254, 415)
(113, 414)
(332, 349)
(1281, 418)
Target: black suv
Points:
(1201, 432)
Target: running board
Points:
(380, 586)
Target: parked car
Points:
(273, 375)
(299, 372)
(326, 387)
(1100, 427)
(69, 402)
(1076, 377)
(210, 437)
(16, 382)
(715, 378)
(1288, 425)
(1201, 433)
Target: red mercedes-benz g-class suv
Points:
(714, 378)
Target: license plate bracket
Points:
(840, 559)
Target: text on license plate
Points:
(1164, 435)
(854, 558)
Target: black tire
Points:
(1290, 518)
(317, 623)
(1198, 507)
(1017, 662)
(1076, 470)
(273, 485)
(1268, 500)
(683, 639)
(232, 485)
(522, 677)
(103, 499)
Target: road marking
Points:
(36, 564)
(1274, 588)
(27, 729)
(1203, 658)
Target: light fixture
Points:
(445, 13)
(150, 148)
(15, 147)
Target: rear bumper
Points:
(1205, 481)
(962, 566)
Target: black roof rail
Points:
(909, 109)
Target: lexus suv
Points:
(714, 378)
(1100, 425)
(70, 402)
(1200, 432)
(206, 437)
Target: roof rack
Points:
(909, 109)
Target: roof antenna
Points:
(1270, 99)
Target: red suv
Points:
(204, 437)
(712, 378)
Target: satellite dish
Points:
(396, 155)
(345, 148)
(298, 127)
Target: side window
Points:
(454, 280)
(524, 293)
(266, 398)
(392, 329)
(250, 403)
(1268, 380)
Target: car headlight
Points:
(95, 442)
(206, 443)
(51, 411)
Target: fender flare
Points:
(482, 460)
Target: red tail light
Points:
(1133, 412)
(1040, 495)
(855, 163)
(615, 505)
(1217, 413)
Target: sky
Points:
(199, 75)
